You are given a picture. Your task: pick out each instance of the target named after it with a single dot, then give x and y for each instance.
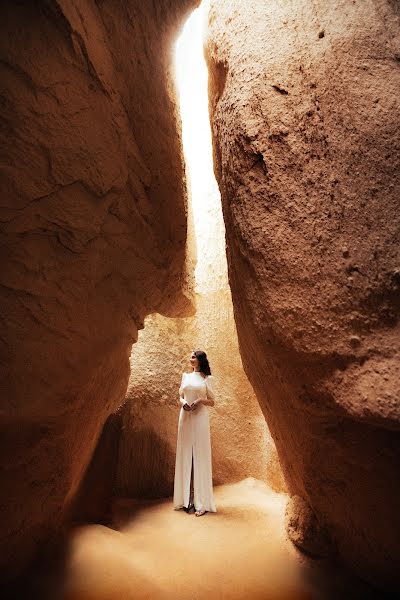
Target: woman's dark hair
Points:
(203, 361)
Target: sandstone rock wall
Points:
(93, 230)
(305, 107)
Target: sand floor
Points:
(240, 552)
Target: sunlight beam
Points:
(192, 82)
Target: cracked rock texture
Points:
(93, 233)
(305, 111)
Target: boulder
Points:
(93, 234)
(305, 115)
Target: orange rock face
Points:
(305, 116)
(93, 234)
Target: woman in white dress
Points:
(194, 443)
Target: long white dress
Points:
(194, 439)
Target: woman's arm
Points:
(182, 400)
(210, 390)
(209, 400)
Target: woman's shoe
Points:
(199, 513)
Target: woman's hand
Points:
(196, 403)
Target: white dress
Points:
(194, 438)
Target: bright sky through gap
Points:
(192, 82)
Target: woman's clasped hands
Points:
(193, 406)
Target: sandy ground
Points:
(240, 552)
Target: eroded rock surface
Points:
(304, 530)
(93, 235)
(305, 116)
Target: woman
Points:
(194, 444)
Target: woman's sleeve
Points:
(181, 390)
(210, 387)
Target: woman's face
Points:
(194, 361)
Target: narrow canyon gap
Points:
(241, 444)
